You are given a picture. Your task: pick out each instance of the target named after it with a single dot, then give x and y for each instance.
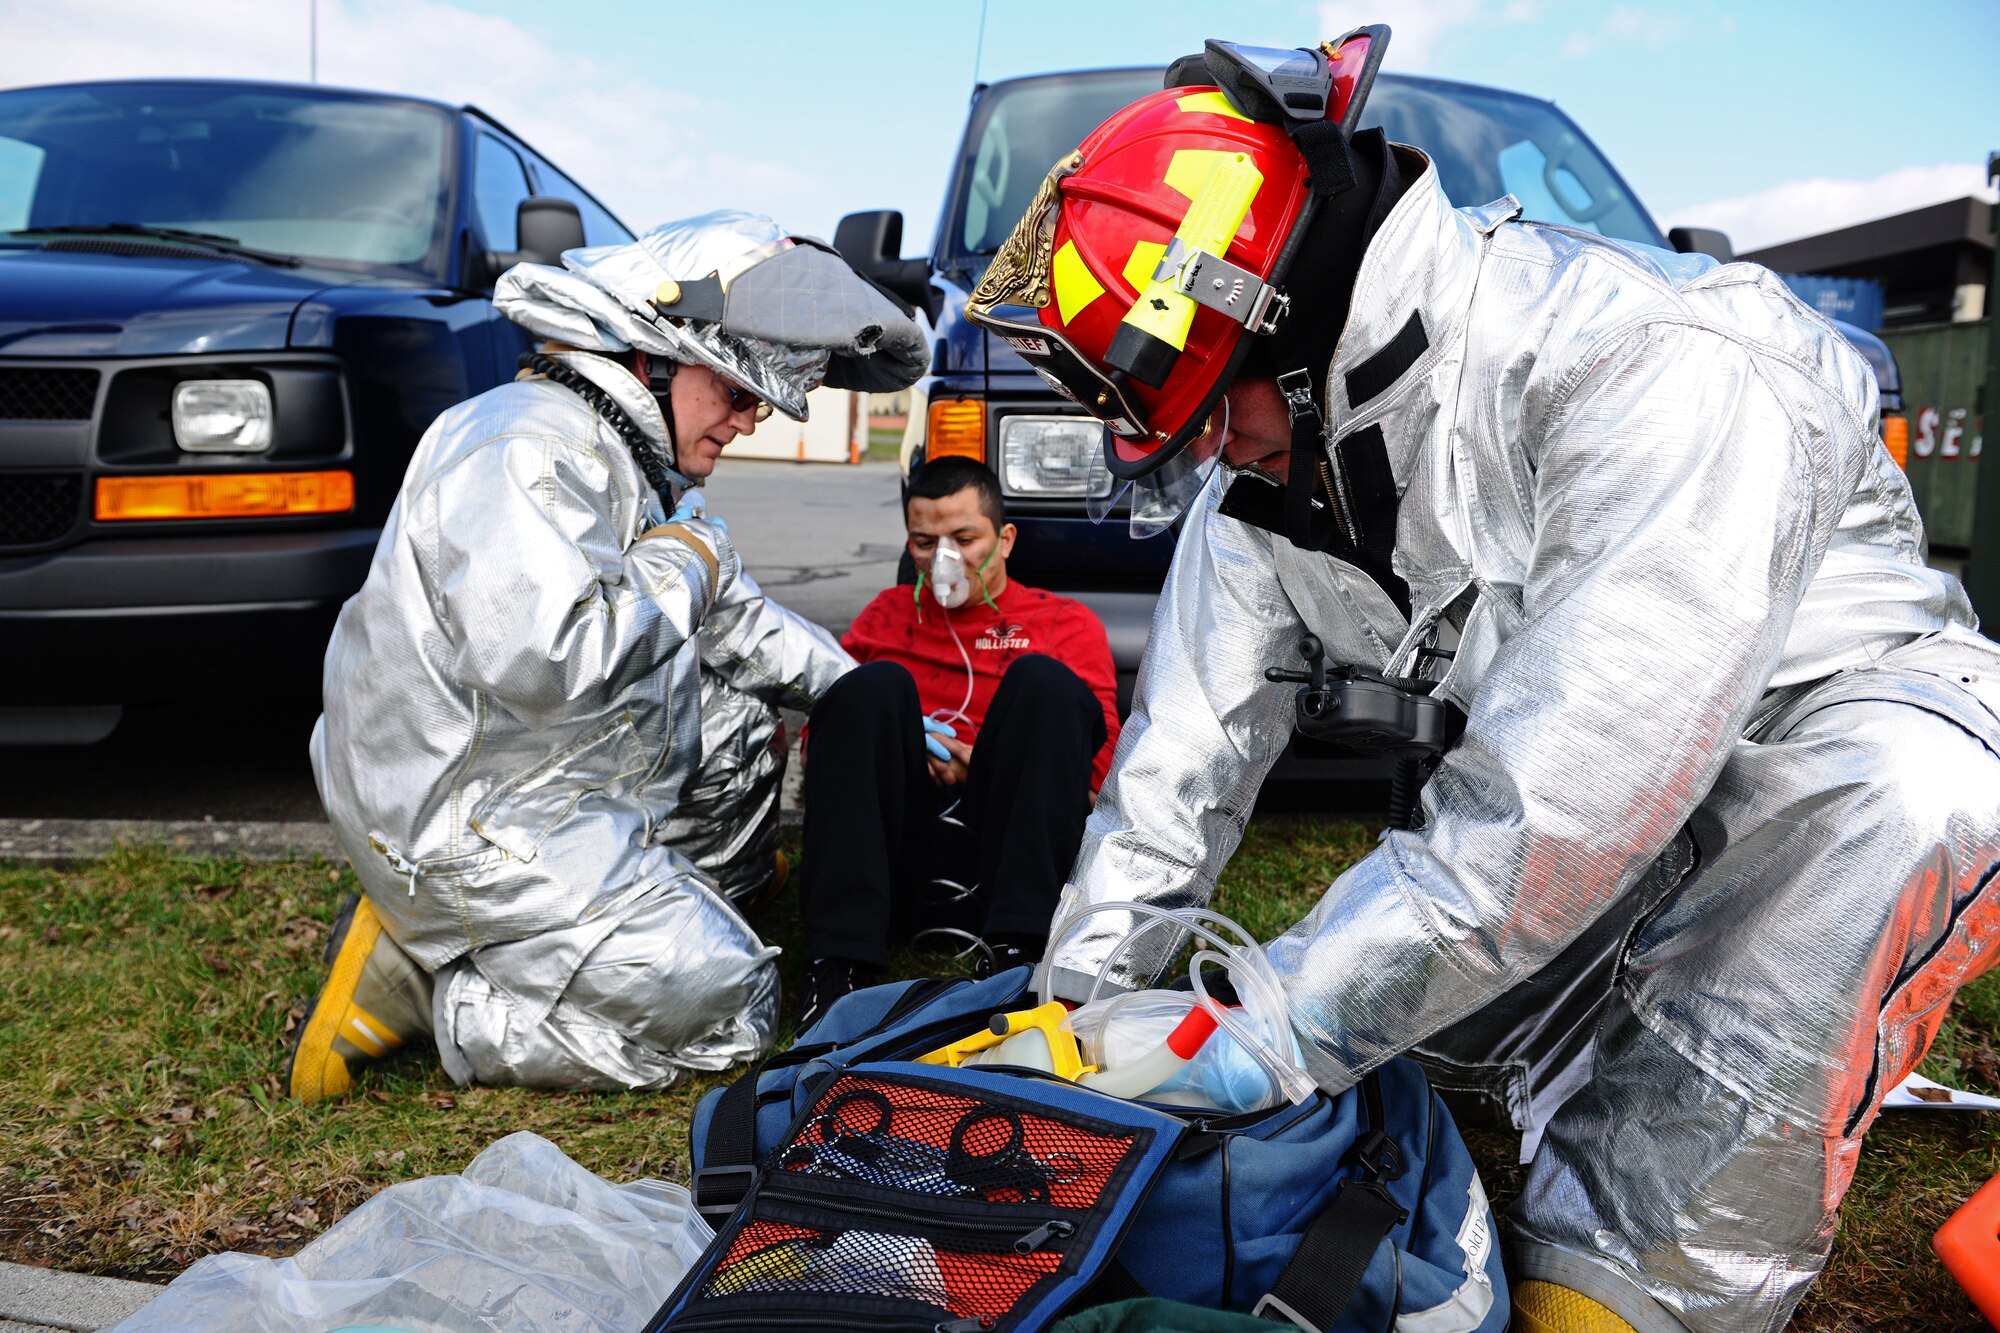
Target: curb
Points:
(55, 842)
(40, 1298)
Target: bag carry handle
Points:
(1334, 1253)
(729, 1169)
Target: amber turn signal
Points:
(956, 428)
(225, 495)
(1896, 439)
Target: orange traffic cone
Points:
(1969, 1244)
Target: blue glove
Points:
(694, 505)
(932, 730)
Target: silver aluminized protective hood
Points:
(793, 313)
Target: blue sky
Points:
(1772, 120)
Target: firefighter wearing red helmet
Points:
(1716, 845)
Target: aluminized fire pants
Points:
(633, 1014)
(1691, 1180)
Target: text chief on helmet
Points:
(1718, 841)
(551, 745)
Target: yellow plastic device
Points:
(1065, 1060)
(1154, 332)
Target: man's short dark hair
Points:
(948, 476)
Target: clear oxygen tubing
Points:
(1257, 986)
(958, 714)
(1256, 981)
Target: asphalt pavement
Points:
(822, 538)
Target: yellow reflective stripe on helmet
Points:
(1212, 103)
(1075, 285)
(1145, 258)
(1210, 225)
(1191, 167)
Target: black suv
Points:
(228, 311)
(981, 399)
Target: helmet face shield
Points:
(1164, 493)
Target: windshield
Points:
(1019, 130)
(326, 177)
(1485, 142)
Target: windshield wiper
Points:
(227, 245)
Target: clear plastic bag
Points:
(525, 1239)
(1260, 1028)
(1125, 1028)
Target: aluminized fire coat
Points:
(513, 711)
(1715, 846)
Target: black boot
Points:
(826, 980)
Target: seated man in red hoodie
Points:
(1017, 689)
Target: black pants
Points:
(873, 839)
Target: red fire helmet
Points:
(1152, 249)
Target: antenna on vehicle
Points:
(312, 41)
(979, 46)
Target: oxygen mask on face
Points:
(950, 584)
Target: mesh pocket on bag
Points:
(932, 1142)
(964, 1276)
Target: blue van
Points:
(228, 311)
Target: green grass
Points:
(146, 998)
(884, 446)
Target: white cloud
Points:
(636, 145)
(1808, 207)
(1416, 25)
(1622, 26)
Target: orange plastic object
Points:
(1896, 439)
(956, 429)
(1969, 1244)
(224, 495)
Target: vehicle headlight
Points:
(1053, 456)
(222, 416)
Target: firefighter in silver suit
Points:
(549, 740)
(1716, 847)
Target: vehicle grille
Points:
(47, 393)
(38, 507)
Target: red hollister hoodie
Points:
(897, 627)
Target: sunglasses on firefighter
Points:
(742, 400)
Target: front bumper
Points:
(141, 619)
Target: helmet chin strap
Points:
(660, 372)
(1313, 513)
(1321, 283)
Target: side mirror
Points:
(545, 226)
(873, 243)
(1702, 241)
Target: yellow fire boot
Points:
(376, 999)
(1544, 1307)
